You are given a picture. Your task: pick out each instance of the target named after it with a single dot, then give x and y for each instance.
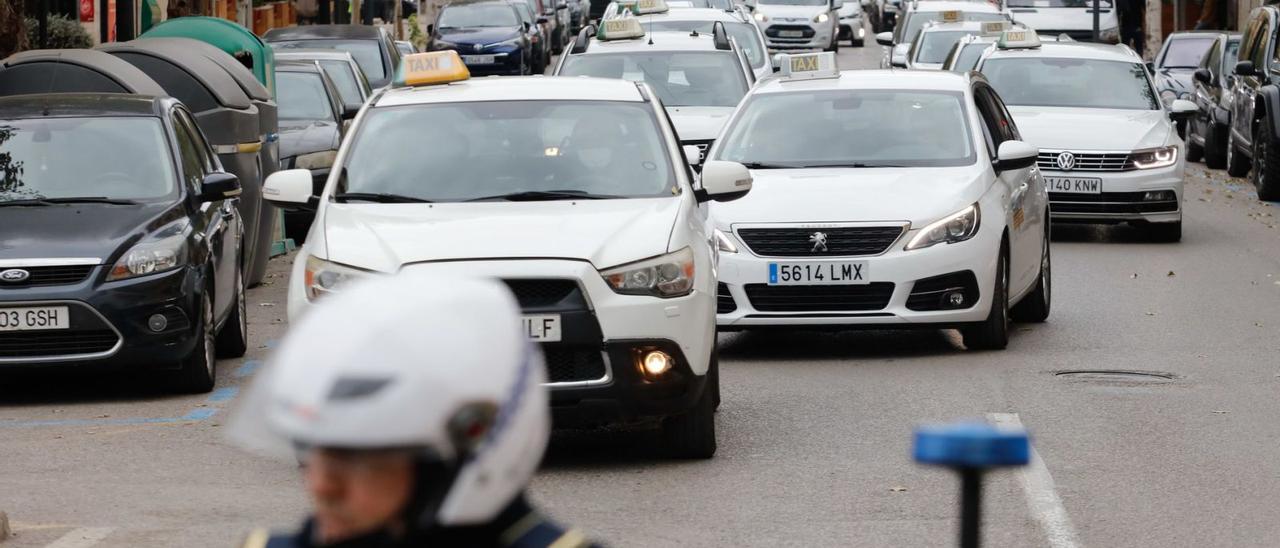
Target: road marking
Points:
(1043, 499)
(223, 394)
(248, 368)
(83, 537)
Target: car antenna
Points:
(649, 31)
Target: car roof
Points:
(1078, 50)
(971, 26)
(81, 104)
(695, 14)
(949, 5)
(312, 53)
(297, 65)
(665, 40)
(515, 88)
(936, 80)
(1183, 34)
(323, 32)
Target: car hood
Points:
(479, 35)
(781, 13)
(80, 230)
(926, 66)
(1178, 80)
(1100, 129)
(699, 123)
(1060, 19)
(300, 137)
(606, 233)
(850, 9)
(916, 195)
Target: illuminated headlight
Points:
(1167, 96)
(164, 250)
(315, 160)
(724, 243)
(323, 277)
(1152, 158)
(821, 18)
(669, 275)
(957, 227)
(761, 17)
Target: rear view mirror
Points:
(1203, 76)
(289, 188)
(1015, 155)
(885, 39)
(219, 185)
(724, 181)
(693, 155)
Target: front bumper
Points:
(1122, 197)
(778, 35)
(108, 322)
(851, 28)
(505, 63)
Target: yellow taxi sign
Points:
(644, 7)
(1018, 39)
(426, 69)
(994, 28)
(620, 29)
(951, 16)
(807, 66)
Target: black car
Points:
(1254, 138)
(577, 15)
(1207, 130)
(538, 33)
(373, 47)
(1176, 62)
(311, 128)
(488, 35)
(122, 243)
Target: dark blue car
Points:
(490, 37)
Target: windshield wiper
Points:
(380, 197)
(544, 195)
(857, 164)
(27, 202)
(766, 165)
(70, 200)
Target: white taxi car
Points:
(1068, 17)
(574, 192)
(917, 14)
(929, 50)
(698, 77)
(737, 24)
(799, 24)
(881, 199)
(1108, 147)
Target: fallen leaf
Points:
(1259, 324)
(1219, 412)
(1133, 276)
(898, 489)
(1151, 313)
(1170, 274)
(266, 304)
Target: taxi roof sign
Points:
(994, 28)
(951, 16)
(427, 69)
(621, 28)
(644, 7)
(807, 66)
(1018, 39)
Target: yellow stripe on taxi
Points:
(431, 68)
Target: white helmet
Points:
(412, 361)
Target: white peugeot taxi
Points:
(936, 40)
(1109, 149)
(881, 199)
(737, 24)
(917, 14)
(572, 191)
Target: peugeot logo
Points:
(1066, 161)
(14, 275)
(819, 241)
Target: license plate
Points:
(478, 59)
(791, 33)
(1074, 185)
(35, 319)
(542, 328)
(843, 273)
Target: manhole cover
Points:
(1116, 375)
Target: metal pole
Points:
(1097, 33)
(398, 9)
(43, 16)
(970, 507)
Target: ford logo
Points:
(14, 275)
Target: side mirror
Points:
(219, 185)
(1181, 109)
(885, 39)
(289, 188)
(724, 181)
(693, 154)
(1203, 76)
(1015, 155)
(1246, 68)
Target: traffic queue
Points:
(669, 180)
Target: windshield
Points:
(345, 80)
(492, 148)
(934, 46)
(969, 56)
(842, 128)
(525, 12)
(680, 78)
(744, 33)
(463, 16)
(1057, 3)
(794, 2)
(366, 52)
(1062, 82)
(1185, 53)
(121, 157)
(302, 96)
(917, 19)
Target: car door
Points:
(1023, 207)
(1256, 41)
(210, 218)
(1205, 95)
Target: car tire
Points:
(1034, 308)
(1215, 149)
(1165, 232)
(692, 435)
(1266, 158)
(835, 44)
(856, 42)
(993, 333)
(713, 377)
(1237, 164)
(233, 340)
(197, 372)
(1194, 152)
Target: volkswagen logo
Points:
(1066, 161)
(819, 241)
(14, 275)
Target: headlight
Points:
(1153, 157)
(761, 17)
(1167, 96)
(512, 43)
(669, 275)
(957, 227)
(443, 44)
(162, 251)
(723, 243)
(323, 277)
(821, 18)
(315, 160)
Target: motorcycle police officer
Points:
(417, 410)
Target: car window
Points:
(344, 79)
(991, 130)
(745, 33)
(969, 56)
(1250, 35)
(525, 12)
(680, 78)
(462, 16)
(934, 46)
(1185, 52)
(1213, 58)
(114, 157)
(1230, 55)
(1070, 82)
(193, 170)
(1259, 52)
(917, 19)
(205, 152)
(366, 53)
(488, 148)
(302, 96)
(846, 127)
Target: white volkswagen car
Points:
(1108, 147)
(885, 199)
(575, 193)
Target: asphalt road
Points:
(814, 429)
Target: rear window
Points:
(368, 55)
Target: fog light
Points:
(1158, 196)
(955, 298)
(157, 322)
(654, 363)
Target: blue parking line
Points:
(89, 422)
(248, 368)
(199, 414)
(223, 394)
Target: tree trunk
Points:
(13, 28)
